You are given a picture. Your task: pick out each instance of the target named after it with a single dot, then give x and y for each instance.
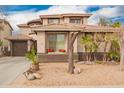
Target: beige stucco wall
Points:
(66, 19)
(5, 32)
(61, 20)
(41, 42)
(85, 20)
(80, 46)
(45, 21)
(29, 45)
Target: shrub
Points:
(31, 56)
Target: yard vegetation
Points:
(55, 74)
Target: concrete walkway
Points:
(11, 68)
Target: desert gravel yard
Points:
(55, 75)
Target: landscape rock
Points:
(29, 76)
(37, 75)
(77, 71)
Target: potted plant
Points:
(50, 50)
(31, 56)
(62, 50)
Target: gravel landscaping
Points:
(55, 75)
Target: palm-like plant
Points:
(90, 45)
(108, 38)
(116, 24)
(1, 42)
(114, 54)
(32, 57)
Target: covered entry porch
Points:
(53, 42)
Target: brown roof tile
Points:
(57, 27)
(35, 21)
(22, 25)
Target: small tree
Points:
(114, 53)
(31, 56)
(90, 46)
(116, 24)
(1, 43)
(103, 21)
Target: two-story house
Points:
(50, 33)
(5, 31)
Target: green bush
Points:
(31, 56)
(114, 55)
(99, 62)
(1, 42)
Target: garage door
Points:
(19, 48)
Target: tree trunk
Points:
(104, 55)
(122, 51)
(1, 52)
(72, 37)
(71, 63)
(87, 57)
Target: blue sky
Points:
(26, 7)
(18, 14)
(10, 8)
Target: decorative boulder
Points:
(29, 76)
(77, 71)
(37, 75)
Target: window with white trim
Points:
(75, 20)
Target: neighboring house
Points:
(5, 31)
(50, 33)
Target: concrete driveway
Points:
(11, 68)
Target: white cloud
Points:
(107, 12)
(18, 17)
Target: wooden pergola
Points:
(73, 35)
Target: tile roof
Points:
(70, 27)
(19, 37)
(64, 15)
(23, 25)
(35, 21)
(58, 27)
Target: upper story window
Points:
(53, 21)
(75, 20)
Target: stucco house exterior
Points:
(50, 35)
(5, 31)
